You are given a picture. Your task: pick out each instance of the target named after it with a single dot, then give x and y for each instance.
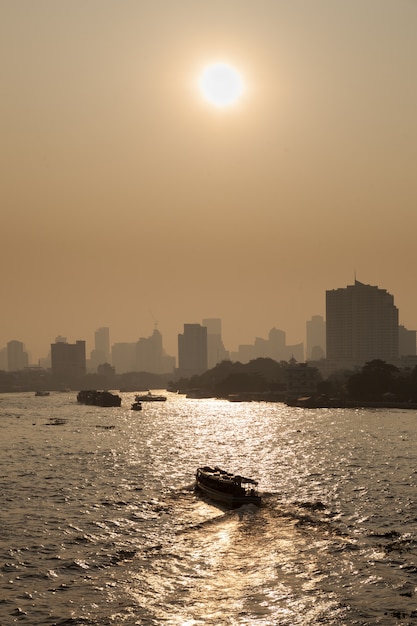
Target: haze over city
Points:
(131, 198)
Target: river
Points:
(100, 524)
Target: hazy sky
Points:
(126, 199)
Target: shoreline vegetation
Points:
(376, 385)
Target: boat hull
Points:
(226, 488)
(226, 498)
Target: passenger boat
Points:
(149, 397)
(227, 488)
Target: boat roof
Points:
(219, 474)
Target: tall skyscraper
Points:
(216, 352)
(316, 338)
(151, 357)
(102, 343)
(101, 352)
(361, 325)
(192, 350)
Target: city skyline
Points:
(92, 350)
(375, 332)
(129, 199)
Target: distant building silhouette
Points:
(101, 352)
(407, 341)
(123, 357)
(275, 347)
(150, 355)
(361, 325)
(17, 358)
(68, 359)
(3, 359)
(316, 338)
(216, 352)
(192, 350)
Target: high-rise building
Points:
(101, 352)
(17, 358)
(102, 343)
(407, 341)
(151, 357)
(192, 350)
(216, 352)
(68, 359)
(316, 338)
(361, 325)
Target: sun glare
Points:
(221, 85)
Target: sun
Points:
(221, 85)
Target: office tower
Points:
(101, 352)
(102, 343)
(17, 358)
(216, 352)
(151, 357)
(68, 359)
(407, 341)
(192, 350)
(316, 338)
(361, 325)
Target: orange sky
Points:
(127, 200)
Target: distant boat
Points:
(98, 398)
(136, 406)
(150, 397)
(42, 393)
(227, 488)
(198, 394)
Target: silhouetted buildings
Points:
(68, 360)
(361, 325)
(316, 338)
(275, 347)
(123, 357)
(17, 358)
(192, 350)
(101, 352)
(150, 355)
(407, 342)
(145, 355)
(216, 352)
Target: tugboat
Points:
(227, 488)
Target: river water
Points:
(100, 524)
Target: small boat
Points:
(227, 488)
(150, 397)
(136, 406)
(42, 393)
